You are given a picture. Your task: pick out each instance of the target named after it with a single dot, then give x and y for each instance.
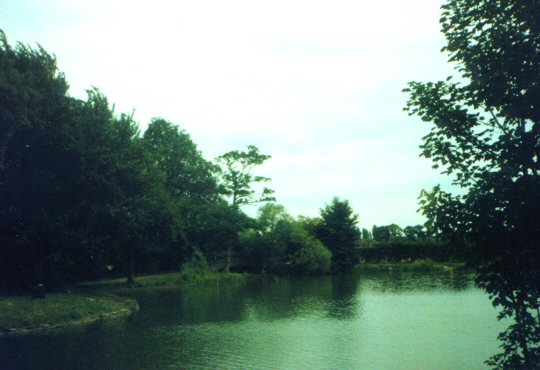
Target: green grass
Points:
(417, 265)
(186, 277)
(94, 299)
(57, 309)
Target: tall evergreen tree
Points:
(338, 231)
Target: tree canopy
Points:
(486, 134)
(237, 176)
(338, 231)
(83, 194)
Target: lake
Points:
(367, 321)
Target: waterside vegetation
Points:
(24, 315)
(84, 195)
(93, 205)
(86, 303)
(426, 265)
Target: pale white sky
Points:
(315, 84)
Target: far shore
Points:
(421, 265)
(89, 302)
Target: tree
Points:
(486, 134)
(37, 159)
(387, 232)
(192, 188)
(305, 253)
(120, 189)
(238, 181)
(395, 231)
(269, 218)
(381, 233)
(366, 235)
(188, 174)
(416, 232)
(310, 224)
(279, 243)
(76, 189)
(338, 231)
(265, 244)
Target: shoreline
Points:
(46, 328)
(85, 303)
(421, 265)
(22, 315)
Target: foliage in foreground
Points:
(486, 133)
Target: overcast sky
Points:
(315, 84)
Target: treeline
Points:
(391, 243)
(84, 194)
(277, 242)
(403, 250)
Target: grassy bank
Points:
(22, 314)
(417, 265)
(183, 278)
(91, 301)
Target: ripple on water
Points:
(383, 321)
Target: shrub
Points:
(309, 254)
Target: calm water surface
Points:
(375, 321)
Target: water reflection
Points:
(396, 282)
(344, 298)
(354, 321)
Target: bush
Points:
(309, 255)
(197, 266)
(316, 259)
(262, 251)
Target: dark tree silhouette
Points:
(338, 231)
(486, 134)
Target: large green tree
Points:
(241, 185)
(339, 232)
(381, 233)
(486, 133)
(416, 232)
(77, 191)
(278, 243)
(192, 189)
(36, 163)
(187, 173)
(265, 243)
(238, 180)
(387, 232)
